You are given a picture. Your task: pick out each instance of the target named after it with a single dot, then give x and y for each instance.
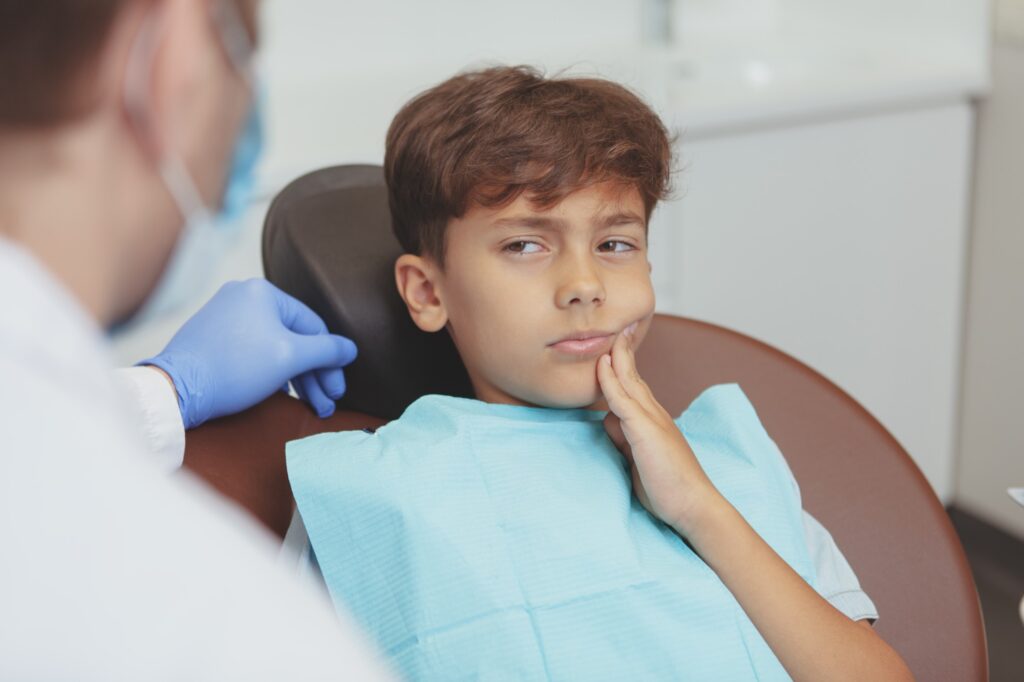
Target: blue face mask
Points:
(206, 236)
(241, 181)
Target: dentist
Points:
(128, 134)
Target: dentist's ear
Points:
(416, 278)
(163, 64)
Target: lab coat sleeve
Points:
(157, 414)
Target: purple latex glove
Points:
(244, 344)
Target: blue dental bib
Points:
(496, 542)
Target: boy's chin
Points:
(572, 398)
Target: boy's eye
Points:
(614, 246)
(522, 246)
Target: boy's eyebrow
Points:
(538, 221)
(549, 223)
(621, 218)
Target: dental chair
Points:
(327, 240)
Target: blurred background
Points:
(852, 192)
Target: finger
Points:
(332, 381)
(322, 351)
(317, 353)
(619, 401)
(624, 367)
(296, 315)
(624, 364)
(315, 396)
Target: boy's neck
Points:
(496, 397)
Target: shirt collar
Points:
(44, 324)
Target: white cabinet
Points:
(841, 242)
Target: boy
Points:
(498, 538)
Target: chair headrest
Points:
(327, 240)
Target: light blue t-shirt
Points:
(478, 541)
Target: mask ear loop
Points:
(138, 72)
(239, 47)
(238, 44)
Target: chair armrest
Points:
(243, 456)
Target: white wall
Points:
(992, 427)
(961, 26)
(338, 71)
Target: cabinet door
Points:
(843, 244)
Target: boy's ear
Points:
(417, 279)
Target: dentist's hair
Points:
(486, 137)
(49, 51)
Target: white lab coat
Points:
(111, 568)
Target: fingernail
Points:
(336, 390)
(628, 331)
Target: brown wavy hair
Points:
(486, 137)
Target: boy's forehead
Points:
(609, 199)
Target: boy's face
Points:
(533, 297)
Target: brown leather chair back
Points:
(327, 240)
(855, 478)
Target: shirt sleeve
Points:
(157, 414)
(837, 583)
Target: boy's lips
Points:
(585, 344)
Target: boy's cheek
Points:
(640, 299)
(644, 312)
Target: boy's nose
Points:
(581, 286)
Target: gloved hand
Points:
(248, 341)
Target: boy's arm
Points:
(810, 637)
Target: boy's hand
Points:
(667, 478)
(812, 639)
